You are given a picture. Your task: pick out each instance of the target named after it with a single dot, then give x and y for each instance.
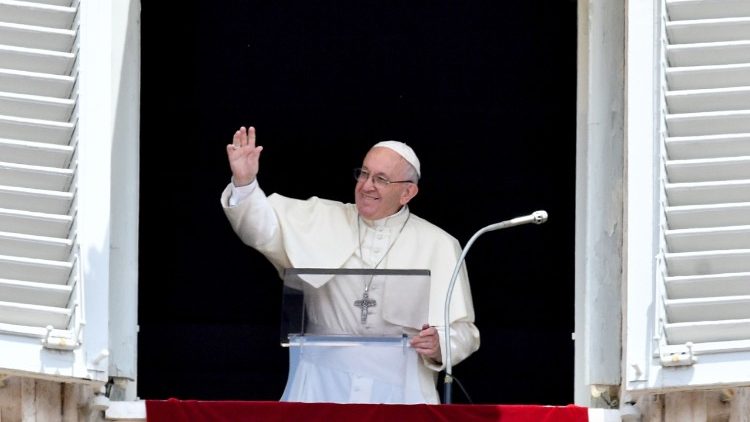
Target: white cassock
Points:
(319, 233)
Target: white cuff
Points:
(239, 193)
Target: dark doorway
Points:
(483, 91)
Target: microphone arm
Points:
(537, 217)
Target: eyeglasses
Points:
(361, 175)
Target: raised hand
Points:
(244, 156)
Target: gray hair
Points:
(411, 173)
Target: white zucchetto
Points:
(403, 150)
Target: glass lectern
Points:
(348, 333)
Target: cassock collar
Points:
(393, 220)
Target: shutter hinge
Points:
(681, 355)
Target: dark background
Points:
(483, 91)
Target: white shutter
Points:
(42, 295)
(700, 313)
(706, 236)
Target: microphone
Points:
(536, 217)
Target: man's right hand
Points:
(244, 156)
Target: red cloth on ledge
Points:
(174, 410)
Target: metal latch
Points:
(59, 342)
(679, 355)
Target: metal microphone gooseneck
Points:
(537, 217)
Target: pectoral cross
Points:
(364, 304)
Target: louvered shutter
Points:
(42, 294)
(700, 313)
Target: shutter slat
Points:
(36, 60)
(709, 146)
(27, 331)
(708, 239)
(708, 30)
(35, 177)
(708, 263)
(38, 14)
(708, 286)
(706, 77)
(34, 130)
(708, 309)
(704, 193)
(39, 37)
(708, 123)
(36, 107)
(36, 200)
(66, 3)
(708, 331)
(38, 247)
(35, 270)
(34, 315)
(35, 153)
(707, 100)
(702, 54)
(706, 9)
(35, 83)
(708, 169)
(712, 215)
(35, 223)
(42, 294)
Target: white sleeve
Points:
(254, 220)
(239, 193)
(464, 342)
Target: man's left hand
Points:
(427, 343)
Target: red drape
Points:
(173, 410)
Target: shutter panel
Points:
(41, 289)
(702, 312)
(688, 254)
(706, 183)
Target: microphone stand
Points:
(537, 217)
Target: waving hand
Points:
(244, 156)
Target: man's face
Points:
(375, 201)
